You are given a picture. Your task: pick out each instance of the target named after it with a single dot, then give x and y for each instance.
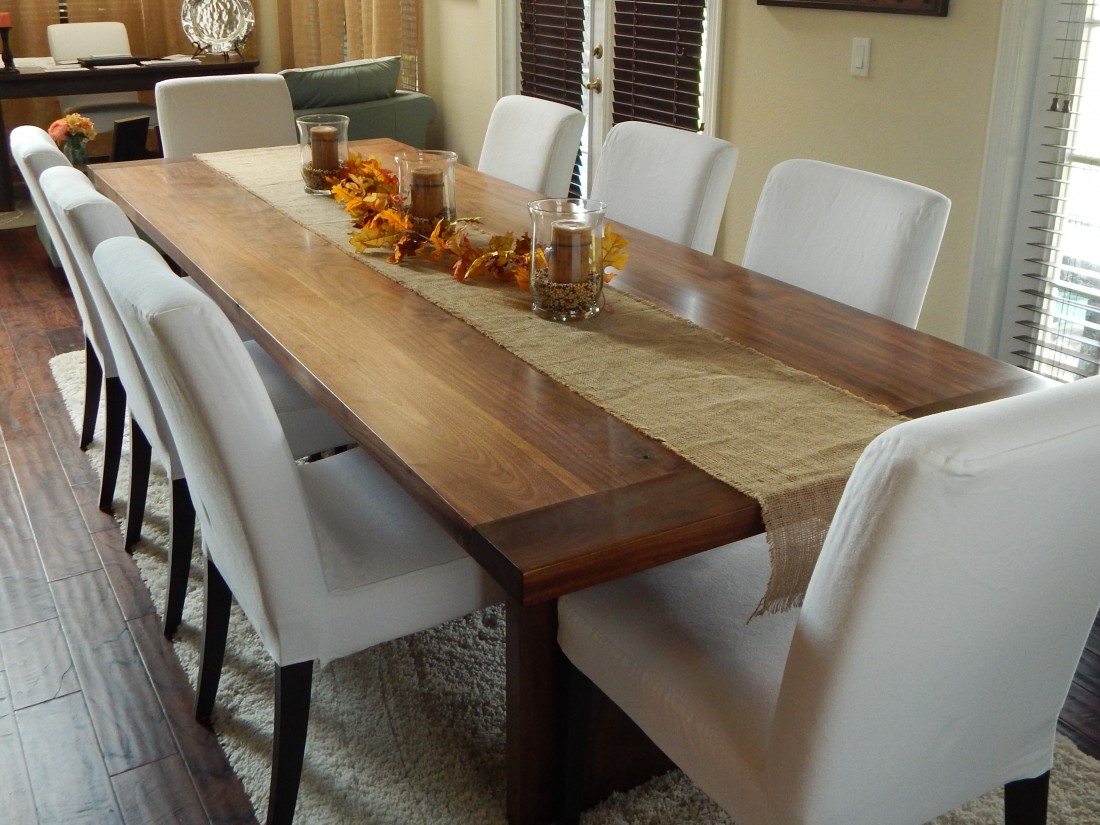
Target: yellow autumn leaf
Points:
(614, 254)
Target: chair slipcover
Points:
(71, 41)
(935, 647)
(532, 143)
(866, 240)
(325, 558)
(215, 114)
(665, 181)
(87, 218)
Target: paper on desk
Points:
(34, 63)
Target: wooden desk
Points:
(548, 492)
(34, 82)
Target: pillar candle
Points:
(325, 147)
(427, 193)
(571, 258)
(5, 19)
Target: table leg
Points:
(536, 703)
(7, 183)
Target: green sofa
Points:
(366, 91)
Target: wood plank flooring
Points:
(95, 712)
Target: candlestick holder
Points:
(566, 253)
(426, 187)
(9, 61)
(324, 144)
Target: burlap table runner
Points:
(777, 434)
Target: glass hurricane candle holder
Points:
(566, 243)
(426, 187)
(324, 143)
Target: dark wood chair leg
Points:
(93, 386)
(215, 628)
(180, 546)
(578, 723)
(141, 455)
(292, 696)
(1026, 801)
(115, 415)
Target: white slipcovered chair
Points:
(86, 218)
(934, 649)
(325, 559)
(71, 41)
(665, 181)
(35, 152)
(863, 239)
(532, 143)
(215, 114)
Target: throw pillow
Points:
(353, 82)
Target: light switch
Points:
(861, 56)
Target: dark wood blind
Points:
(658, 62)
(551, 54)
(551, 43)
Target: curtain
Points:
(319, 32)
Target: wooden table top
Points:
(547, 491)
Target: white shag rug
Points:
(412, 732)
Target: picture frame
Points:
(935, 8)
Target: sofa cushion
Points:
(352, 82)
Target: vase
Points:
(323, 140)
(426, 187)
(76, 150)
(566, 244)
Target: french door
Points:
(618, 60)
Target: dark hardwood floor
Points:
(95, 713)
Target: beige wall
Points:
(786, 92)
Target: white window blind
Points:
(1056, 317)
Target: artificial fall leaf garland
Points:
(368, 192)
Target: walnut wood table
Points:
(36, 82)
(548, 492)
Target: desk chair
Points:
(86, 218)
(532, 143)
(325, 559)
(130, 139)
(866, 240)
(935, 647)
(215, 114)
(668, 182)
(71, 41)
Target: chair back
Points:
(248, 496)
(863, 239)
(87, 218)
(669, 182)
(35, 152)
(71, 41)
(532, 143)
(945, 618)
(215, 114)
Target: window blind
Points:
(658, 62)
(551, 43)
(1058, 327)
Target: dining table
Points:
(547, 490)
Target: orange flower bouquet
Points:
(72, 133)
